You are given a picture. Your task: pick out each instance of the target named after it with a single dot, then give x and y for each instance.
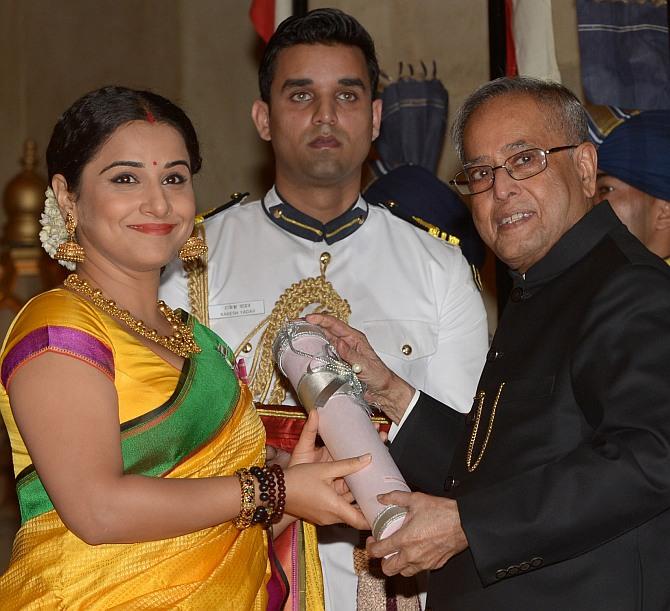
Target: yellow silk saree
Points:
(195, 423)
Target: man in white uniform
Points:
(313, 243)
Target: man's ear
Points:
(586, 162)
(260, 115)
(662, 213)
(376, 117)
(65, 199)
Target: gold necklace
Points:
(181, 342)
(471, 446)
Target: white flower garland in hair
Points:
(53, 232)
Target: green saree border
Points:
(156, 442)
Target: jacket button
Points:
(247, 348)
(516, 294)
(537, 561)
(406, 349)
(450, 483)
(524, 566)
(513, 570)
(501, 573)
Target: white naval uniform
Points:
(412, 294)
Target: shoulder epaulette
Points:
(394, 208)
(235, 198)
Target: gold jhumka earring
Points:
(193, 248)
(70, 250)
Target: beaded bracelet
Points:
(248, 504)
(272, 493)
(280, 505)
(266, 482)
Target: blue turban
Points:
(638, 153)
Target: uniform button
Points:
(235, 195)
(524, 566)
(324, 258)
(247, 348)
(493, 355)
(516, 294)
(537, 561)
(390, 203)
(406, 349)
(513, 570)
(450, 483)
(501, 574)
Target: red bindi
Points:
(155, 163)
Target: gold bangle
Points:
(248, 502)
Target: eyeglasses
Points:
(479, 178)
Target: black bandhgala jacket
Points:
(569, 508)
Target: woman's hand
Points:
(384, 388)
(277, 456)
(315, 492)
(305, 450)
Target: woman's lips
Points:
(154, 228)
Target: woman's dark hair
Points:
(84, 127)
(326, 26)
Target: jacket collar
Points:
(573, 246)
(290, 219)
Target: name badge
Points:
(241, 308)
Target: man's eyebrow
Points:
(352, 82)
(296, 82)
(519, 144)
(510, 148)
(114, 164)
(303, 82)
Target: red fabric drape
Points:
(262, 14)
(510, 52)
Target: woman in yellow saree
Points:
(132, 441)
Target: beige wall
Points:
(219, 63)
(564, 15)
(203, 54)
(200, 53)
(54, 51)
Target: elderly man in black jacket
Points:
(554, 492)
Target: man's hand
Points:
(430, 535)
(384, 388)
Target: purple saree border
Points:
(64, 340)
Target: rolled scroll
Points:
(325, 382)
